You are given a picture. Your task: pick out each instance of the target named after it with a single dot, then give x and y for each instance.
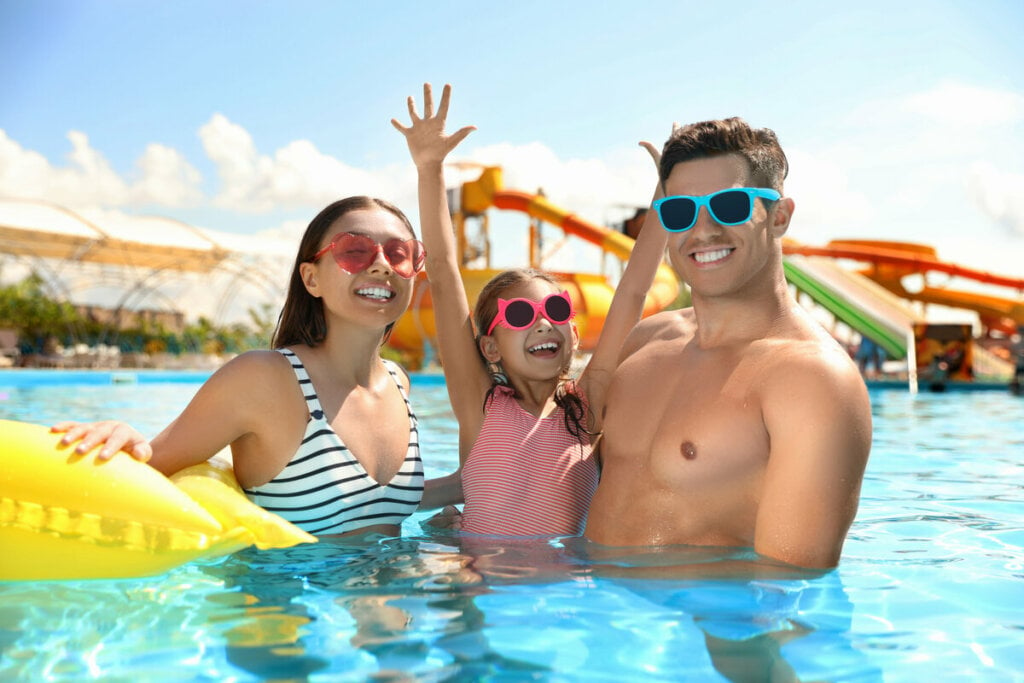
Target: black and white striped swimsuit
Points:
(324, 489)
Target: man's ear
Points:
(780, 216)
(489, 348)
(308, 273)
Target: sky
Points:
(901, 120)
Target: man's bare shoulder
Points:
(666, 326)
(812, 378)
(812, 356)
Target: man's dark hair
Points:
(759, 146)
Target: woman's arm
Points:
(225, 408)
(442, 491)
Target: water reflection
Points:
(466, 608)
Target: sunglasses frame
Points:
(539, 309)
(418, 256)
(705, 201)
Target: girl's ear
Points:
(489, 348)
(308, 273)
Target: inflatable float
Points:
(65, 515)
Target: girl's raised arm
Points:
(627, 305)
(465, 374)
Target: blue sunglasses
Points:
(728, 207)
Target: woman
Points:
(320, 429)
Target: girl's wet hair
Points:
(484, 313)
(302, 318)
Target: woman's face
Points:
(374, 296)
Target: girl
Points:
(320, 429)
(526, 431)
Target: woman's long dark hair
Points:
(302, 317)
(484, 313)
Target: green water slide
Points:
(854, 300)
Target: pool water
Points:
(931, 583)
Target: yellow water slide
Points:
(591, 293)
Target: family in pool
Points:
(738, 422)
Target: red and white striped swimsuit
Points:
(527, 476)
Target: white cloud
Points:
(89, 180)
(950, 105)
(827, 206)
(959, 104)
(298, 174)
(1000, 195)
(164, 176)
(591, 188)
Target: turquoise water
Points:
(931, 582)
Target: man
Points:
(739, 421)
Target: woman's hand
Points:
(427, 141)
(115, 436)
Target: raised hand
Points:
(426, 138)
(654, 151)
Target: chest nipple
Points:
(688, 450)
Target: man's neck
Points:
(743, 316)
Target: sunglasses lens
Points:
(677, 214)
(405, 257)
(731, 208)
(354, 253)
(519, 314)
(557, 309)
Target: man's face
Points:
(716, 259)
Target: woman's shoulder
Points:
(262, 364)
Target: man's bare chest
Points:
(688, 416)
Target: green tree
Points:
(25, 307)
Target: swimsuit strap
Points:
(393, 370)
(316, 412)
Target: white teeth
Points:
(375, 293)
(709, 256)
(547, 346)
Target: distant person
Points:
(631, 226)
(1017, 358)
(739, 421)
(526, 430)
(869, 357)
(321, 430)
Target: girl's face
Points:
(375, 296)
(541, 351)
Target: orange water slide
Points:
(890, 262)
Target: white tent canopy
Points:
(140, 260)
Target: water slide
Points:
(890, 262)
(591, 293)
(862, 304)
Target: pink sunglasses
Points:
(519, 313)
